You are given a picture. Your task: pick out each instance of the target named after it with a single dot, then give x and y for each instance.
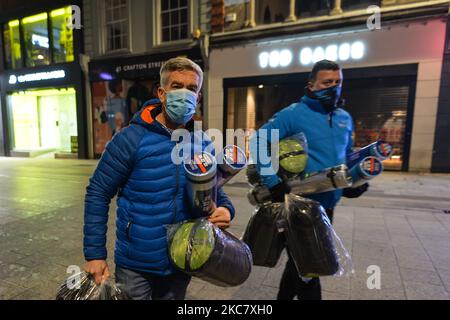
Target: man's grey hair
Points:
(179, 64)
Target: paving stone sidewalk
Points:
(400, 225)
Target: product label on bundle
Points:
(372, 166)
(235, 157)
(385, 149)
(202, 163)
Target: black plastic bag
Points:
(312, 241)
(81, 286)
(263, 236)
(199, 248)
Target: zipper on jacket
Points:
(330, 119)
(176, 189)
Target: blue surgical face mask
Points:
(180, 106)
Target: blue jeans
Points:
(146, 286)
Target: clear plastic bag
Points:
(81, 286)
(312, 241)
(262, 235)
(199, 248)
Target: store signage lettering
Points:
(307, 56)
(39, 76)
(139, 66)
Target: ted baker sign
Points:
(284, 57)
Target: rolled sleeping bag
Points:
(309, 238)
(327, 180)
(379, 149)
(201, 182)
(201, 249)
(230, 161)
(367, 169)
(263, 235)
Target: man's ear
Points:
(310, 85)
(162, 95)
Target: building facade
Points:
(392, 53)
(41, 82)
(126, 43)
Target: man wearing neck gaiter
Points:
(328, 129)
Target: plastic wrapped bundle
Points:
(329, 179)
(265, 239)
(312, 241)
(379, 149)
(82, 286)
(201, 249)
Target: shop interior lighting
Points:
(14, 23)
(35, 18)
(61, 12)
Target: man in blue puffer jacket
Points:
(137, 166)
(328, 130)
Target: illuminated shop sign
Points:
(306, 56)
(38, 76)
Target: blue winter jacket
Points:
(329, 137)
(136, 165)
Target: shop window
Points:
(268, 11)
(313, 8)
(117, 30)
(43, 119)
(174, 20)
(379, 109)
(62, 35)
(235, 14)
(36, 40)
(348, 5)
(11, 38)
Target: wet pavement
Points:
(400, 225)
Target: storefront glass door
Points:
(43, 119)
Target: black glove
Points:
(355, 192)
(278, 191)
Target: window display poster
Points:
(114, 104)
